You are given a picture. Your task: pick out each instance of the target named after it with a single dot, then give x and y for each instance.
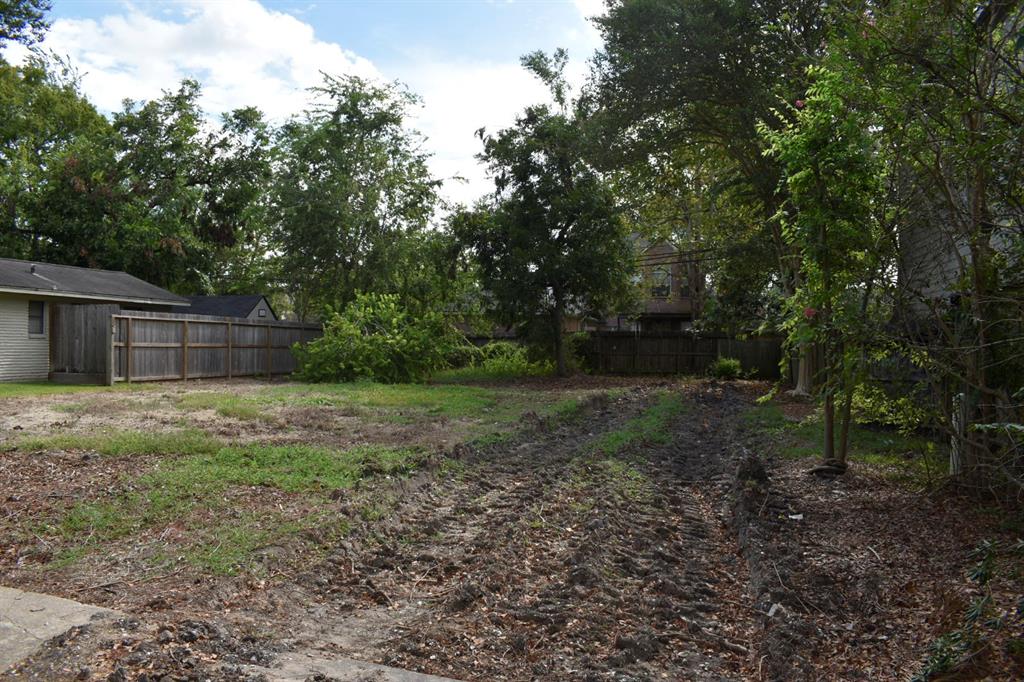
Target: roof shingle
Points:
(224, 306)
(74, 282)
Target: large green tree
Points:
(23, 21)
(944, 82)
(835, 180)
(351, 188)
(702, 75)
(54, 149)
(552, 240)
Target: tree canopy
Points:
(551, 242)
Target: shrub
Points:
(376, 338)
(510, 359)
(500, 360)
(905, 408)
(726, 368)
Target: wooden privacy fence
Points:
(154, 347)
(679, 353)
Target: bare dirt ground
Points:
(543, 556)
(534, 558)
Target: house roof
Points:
(66, 281)
(225, 306)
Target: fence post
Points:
(636, 351)
(128, 349)
(184, 350)
(230, 351)
(111, 353)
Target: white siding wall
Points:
(22, 358)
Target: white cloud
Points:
(460, 98)
(245, 54)
(590, 8)
(240, 51)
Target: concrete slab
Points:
(29, 619)
(299, 667)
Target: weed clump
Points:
(726, 369)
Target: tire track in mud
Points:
(547, 559)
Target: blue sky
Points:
(460, 56)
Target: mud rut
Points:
(546, 560)
(536, 559)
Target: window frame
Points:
(664, 290)
(42, 320)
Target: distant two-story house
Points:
(672, 286)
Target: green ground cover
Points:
(911, 459)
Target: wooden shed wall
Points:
(79, 338)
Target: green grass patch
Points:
(67, 557)
(292, 468)
(765, 417)
(904, 458)
(625, 479)
(226, 405)
(491, 373)
(651, 427)
(484, 409)
(122, 443)
(447, 400)
(492, 439)
(178, 488)
(234, 545)
(92, 522)
(567, 409)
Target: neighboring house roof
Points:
(226, 306)
(66, 281)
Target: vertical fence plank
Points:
(184, 350)
(128, 351)
(111, 353)
(230, 359)
(270, 372)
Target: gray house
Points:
(250, 307)
(31, 292)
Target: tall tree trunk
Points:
(829, 452)
(845, 416)
(981, 262)
(804, 370)
(558, 319)
(790, 281)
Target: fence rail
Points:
(156, 347)
(679, 353)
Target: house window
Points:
(36, 318)
(661, 283)
(262, 312)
